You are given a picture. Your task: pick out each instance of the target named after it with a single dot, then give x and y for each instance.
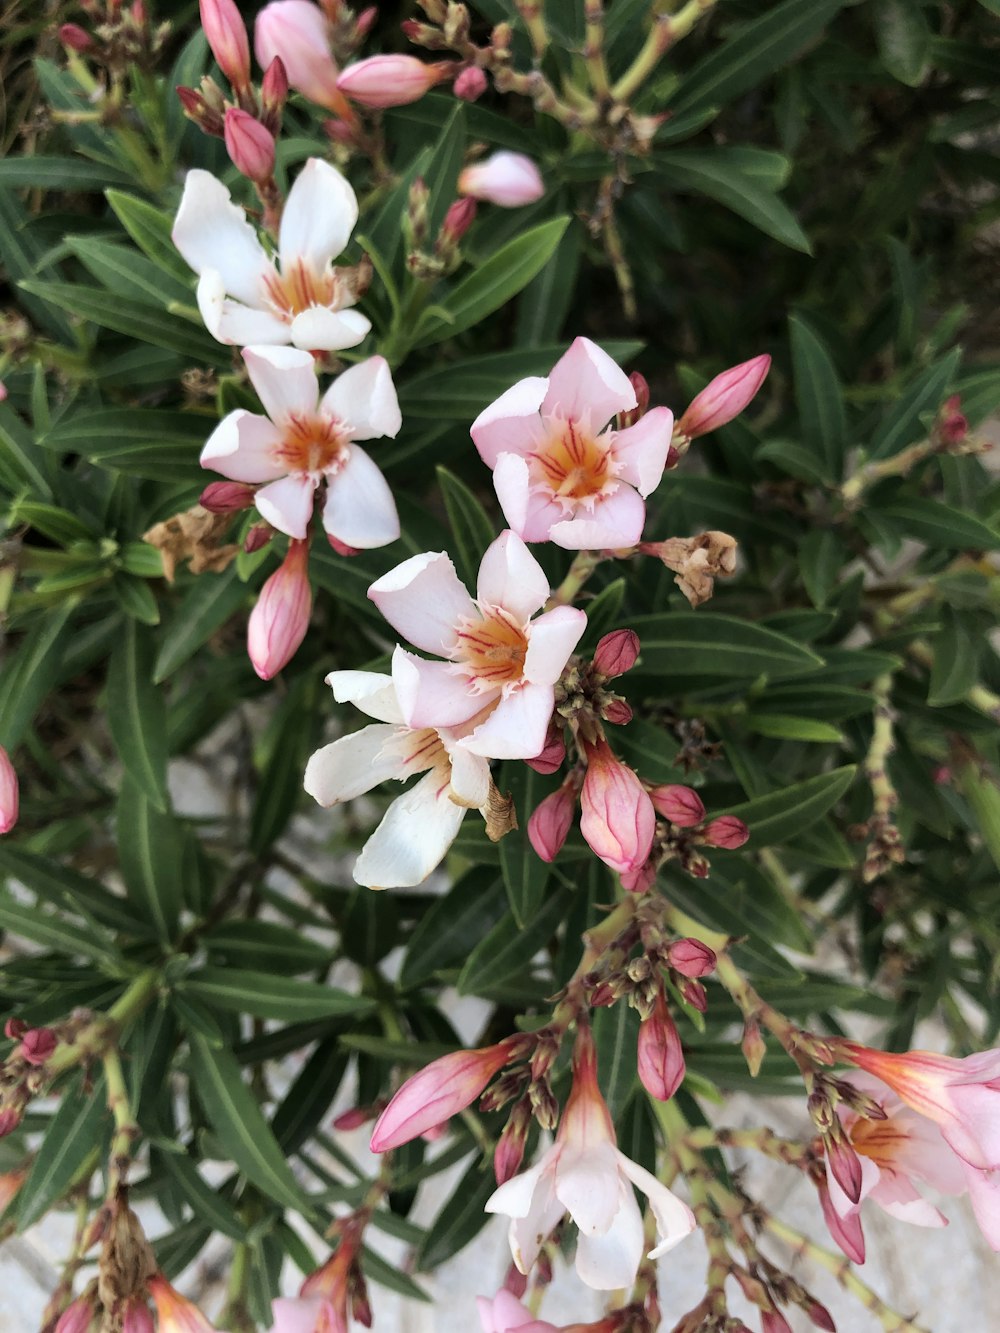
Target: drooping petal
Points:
(514, 1197)
(504, 1313)
(413, 837)
(588, 1186)
(610, 1259)
(470, 778)
(586, 385)
(424, 599)
(674, 1219)
(353, 765)
(364, 399)
(328, 330)
(641, 450)
(511, 577)
(285, 380)
(212, 232)
(371, 691)
(553, 636)
(288, 504)
(616, 522)
(517, 726)
(359, 509)
(898, 1196)
(318, 218)
(242, 448)
(530, 1201)
(511, 424)
(430, 694)
(984, 1195)
(233, 323)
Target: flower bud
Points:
(279, 621)
(691, 958)
(509, 1152)
(457, 221)
(552, 754)
(617, 712)
(642, 878)
(724, 398)
(273, 95)
(9, 793)
(342, 548)
(196, 108)
(470, 84)
(551, 822)
(820, 1316)
(227, 36)
(15, 1028)
(354, 1118)
(659, 1053)
(727, 831)
(616, 653)
(227, 497)
(952, 426)
(298, 32)
(258, 536)
(753, 1046)
(365, 22)
(681, 805)
(75, 38)
(77, 1318)
(618, 820)
(773, 1321)
(249, 145)
(507, 179)
(393, 80)
(694, 994)
(37, 1045)
(439, 1091)
(845, 1165)
(10, 1118)
(138, 1318)
(175, 1314)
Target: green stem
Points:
(97, 1038)
(665, 31)
(126, 1129)
(593, 49)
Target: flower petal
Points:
(530, 1201)
(328, 330)
(588, 1185)
(897, 1195)
(551, 639)
(424, 599)
(288, 504)
(511, 425)
(511, 577)
(470, 778)
(512, 483)
(242, 448)
(674, 1219)
(212, 232)
(586, 385)
(641, 450)
(318, 218)
(984, 1195)
(517, 726)
(610, 1259)
(233, 323)
(430, 694)
(413, 837)
(285, 381)
(353, 765)
(371, 691)
(359, 509)
(615, 523)
(364, 399)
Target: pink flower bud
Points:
(174, 1312)
(509, 1152)
(279, 621)
(15, 1028)
(196, 108)
(458, 220)
(354, 1118)
(445, 1087)
(10, 1118)
(691, 958)
(660, 1056)
(681, 805)
(773, 1321)
(227, 497)
(395, 80)
(617, 712)
(249, 145)
(618, 819)
(138, 1318)
(552, 754)
(846, 1230)
(820, 1316)
(845, 1165)
(258, 536)
(727, 831)
(299, 32)
(641, 386)
(551, 822)
(725, 398)
(952, 425)
(273, 95)
(507, 179)
(76, 1318)
(753, 1046)
(470, 84)
(694, 994)
(365, 21)
(227, 36)
(9, 793)
(341, 547)
(642, 878)
(75, 38)
(616, 653)
(37, 1045)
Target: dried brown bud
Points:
(697, 561)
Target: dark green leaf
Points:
(446, 934)
(461, 1218)
(507, 950)
(819, 397)
(150, 852)
(783, 814)
(717, 174)
(904, 39)
(525, 874)
(469, 522)
(33, 672)
(268, 996)
(704, 643)
(207, 606)
(902, 425)
(136, 713)
(938, 525)
(74, 1134)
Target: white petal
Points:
(288, 504)
(611, 1260)
(586, 385)
(517, 726)
(364, 399)
(359, 509)
(551, 640)
(587, 1183)
(511, 577)
(232, 323)
(352, 765)
(424, 599)
(674, 1219)
(324, 330)
(513, 1198)
(413, 838)
(534, 1216)
(430, 694)
(615, 523)
(212, 232)
(470, 778)
(242, 448)
(371, 691)
(285, 380)
(512, 483)
(641, 450)
(319, 216)
(511, 425)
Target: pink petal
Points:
(615, 523)
(413, 837)
(898, 1197)
(359, 509)
(285, 380)
(512, 483)
(551, 640)
(328, 330)
(424, 600)
(364, 399)
(242, 448)
(288, 504)
(430, 694)
(353, 765)
(973, 1129)
(517, 726)
(586, 385)
(641, 450)
(212, 232)
(984, 1195)
(511, 577)
(318, 217)
(511, 425)
(371, 691)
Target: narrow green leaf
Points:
(904, 39)
(21, 460)
(821, 558)
(940, 526)
(469, 522)
(461, 1218)
(446, 934)
(208, 604)
(783, 814)
(268, 996)
(71, 938)
(441, 176)
(525, 874)
(206, 1203)
(136, 713)
(136, 598)
(546, 300)
(783, 726)
(715, 174)
(507, 950)
(903, 425)
(705, 643)
(32, 673)
(126, 273)
(280, 787)
(65, 888)
(76, 1131)
(150, 228)
(956, 659)
(310, 1096)
(150, 853)
(616, 1031)
(41, 172)
(256, 944)
(819, 397)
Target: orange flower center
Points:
(313, 444)
(574, 464)
(880, 1140)
(491, 650)
(299, 289)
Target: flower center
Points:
(300, 288)
(575, 465)
(880, 1140)
(313, 444)
(492, 649)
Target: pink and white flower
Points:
(617, 817)
(306, 439)
(561, 473)
(299, 33)
(243, 295)
(509, 180)
(501, 663)
(419, 826)
(174, 1312)
(306, 1314)
(584, 1174)
(504, 1313)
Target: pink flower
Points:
(227, 497)
(393, 80)
(497, 654)
(505, 1314)
(227, 36)
(439, 1091)
(681, 805)
(299, 33)
(618, 820)
(249, 145)
(9, 793)
(470, 84)
(175, 1314)
(419, 826)
(243, 296)
(724, 398)
(584, 1174)
(551, 821)
(306, 1314)
(279, 620)
(559, 475)
(660, 1055)
(137, 1318)
(306, 440)
(507, 179)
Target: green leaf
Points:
(206, 1203)
(308, 1099)
(461, 1218)
(502, 276)
(38, 172)
(75, 1132)
(163, 446)
(783, 726)
(23, 256)
(212, 600)
(795, 459)
(704, 643)
(266, 995)
(904, 39)
(34, 670)
(125, 273)
(940, 526)
(150, 853)
(956, 659)
(903, 425)
(239, 1124)
(136, 598)
(58, 524)
(469, 523)
(21, 460)
(508, 949)
(821, 558)
(738, 885)
(280, 787)
(66, 888)
(783, 814)
(150, 228)
(55, 932)
(717, 174)
(448, 932)
(370, 926)
(546, 300)
(525, 874)
(266, 943)
(616, 1031)
(441, 176)
(819, 397)
(136, 713)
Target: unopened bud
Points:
(416, 212)
(15, 1028)
(773, 1321)
(470, 84)
(724, 398)
(681, 805)
(227, 497)
(364, 22)
(75, 38)
(257, 537)
(273, 95)
(10, 793)
(544, 1105)
(553, 753)
(694, 993)
(509, 1152)
(820, 1316)
(616, 711)
(196, 108)
(726, 831)
(509, 180)
(640, 385)
(10, 1118)
(227, 36)
(37, 1045)
(753, 1046)
(820, 1111)
(77, 1318)
(391, 80)
(845, 1165)
(280, 618)
(551, 822)
(618, 820)
(691, 958)
(249, 144)
(354, 1118)
(660, 1057)
(616, 653)
(457, 221)
(138, 1318)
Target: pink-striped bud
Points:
(659, 1051)
(257, 537)
(724, 398)
(227, 497)
(457, 221)
(551, 822)
(470, 84)
(726, 831)
(681, 805)
(365, 21)
(249, 145)
(618, 819)
(553, 753)
(694, 993)
(174, 1312)
(640, 385)
(279, 621)
(844, 1163)
(691, 958)
(37, 1045)
(196, 108)
(444, 1088)
(507, 179)
(273, 95)
(299, 32)
(15, 1028)
(138, 1318)
(227, 36)
(10, 799)
(846, 1230)
(509, 1152)
(642, 878)
(820, 1316)
(394, 80)
(77, 1318)
(75, 38)
(617, 712)
(616, 653)
(773, 1321)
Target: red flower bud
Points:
(75, 38)
(616, 653)
(681, 805)
(691, 958)
(551, 822)
(37, 1045)
(470, 84)
(341, 547)
(617, 712)
(15, 1028)
(10, 1118)
(258, 536)
(659, 1053)
(249, 144)
(458, 220)
(726, 831)
(694, 994)
(227, 497)
(227, 36)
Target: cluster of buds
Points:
(429, 264)
(116, 36)
(24, 1073)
